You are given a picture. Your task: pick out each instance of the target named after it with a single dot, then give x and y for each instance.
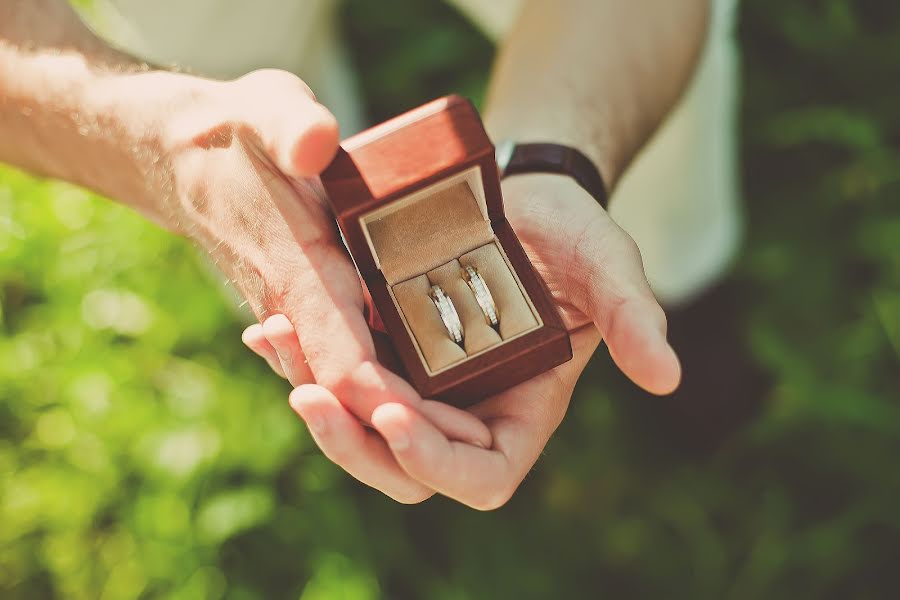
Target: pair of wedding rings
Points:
(447, 310)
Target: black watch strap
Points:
(516, 159)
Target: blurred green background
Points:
(145, 453)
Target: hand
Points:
(237, 161)
(594, 270)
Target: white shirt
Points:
(679, 199)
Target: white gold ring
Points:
(448, 313)
(482, 295)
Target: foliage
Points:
(145, 453)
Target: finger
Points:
(254, 338)
(458, 425)
(600, 274)
(611, 287)
(522, 420)
(360, 452)
(327, 298)
(282, 336)
(474, 476)
(299, 134)
(635, 336)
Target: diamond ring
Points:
(482, 295)
(448, 313)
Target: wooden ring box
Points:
(417, 198)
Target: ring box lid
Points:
(380, 166)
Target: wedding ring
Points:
(482, 295)
(448, 313)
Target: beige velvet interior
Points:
(438, 350)
(426, 240)
(428, 232)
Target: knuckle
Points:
(263, 81)
(355, 378)
(341, 382)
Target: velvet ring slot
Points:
(450, 225)
(424, 322)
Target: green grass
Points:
(145, 453)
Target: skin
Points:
(233, 165)
(611, 71)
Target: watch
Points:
(517, 159)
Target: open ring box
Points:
(417, 199)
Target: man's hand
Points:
(594, 271)
(237, 160)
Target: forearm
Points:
(599, 75)
(68, 105)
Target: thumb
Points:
(613, 291)
(299, 134)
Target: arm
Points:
(54, 102)
(230, 164)
(599, 75)
(73, 108)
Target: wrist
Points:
(551, 188)
(137, 126)
(596, 141)
(73, 108)
(515, 158)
